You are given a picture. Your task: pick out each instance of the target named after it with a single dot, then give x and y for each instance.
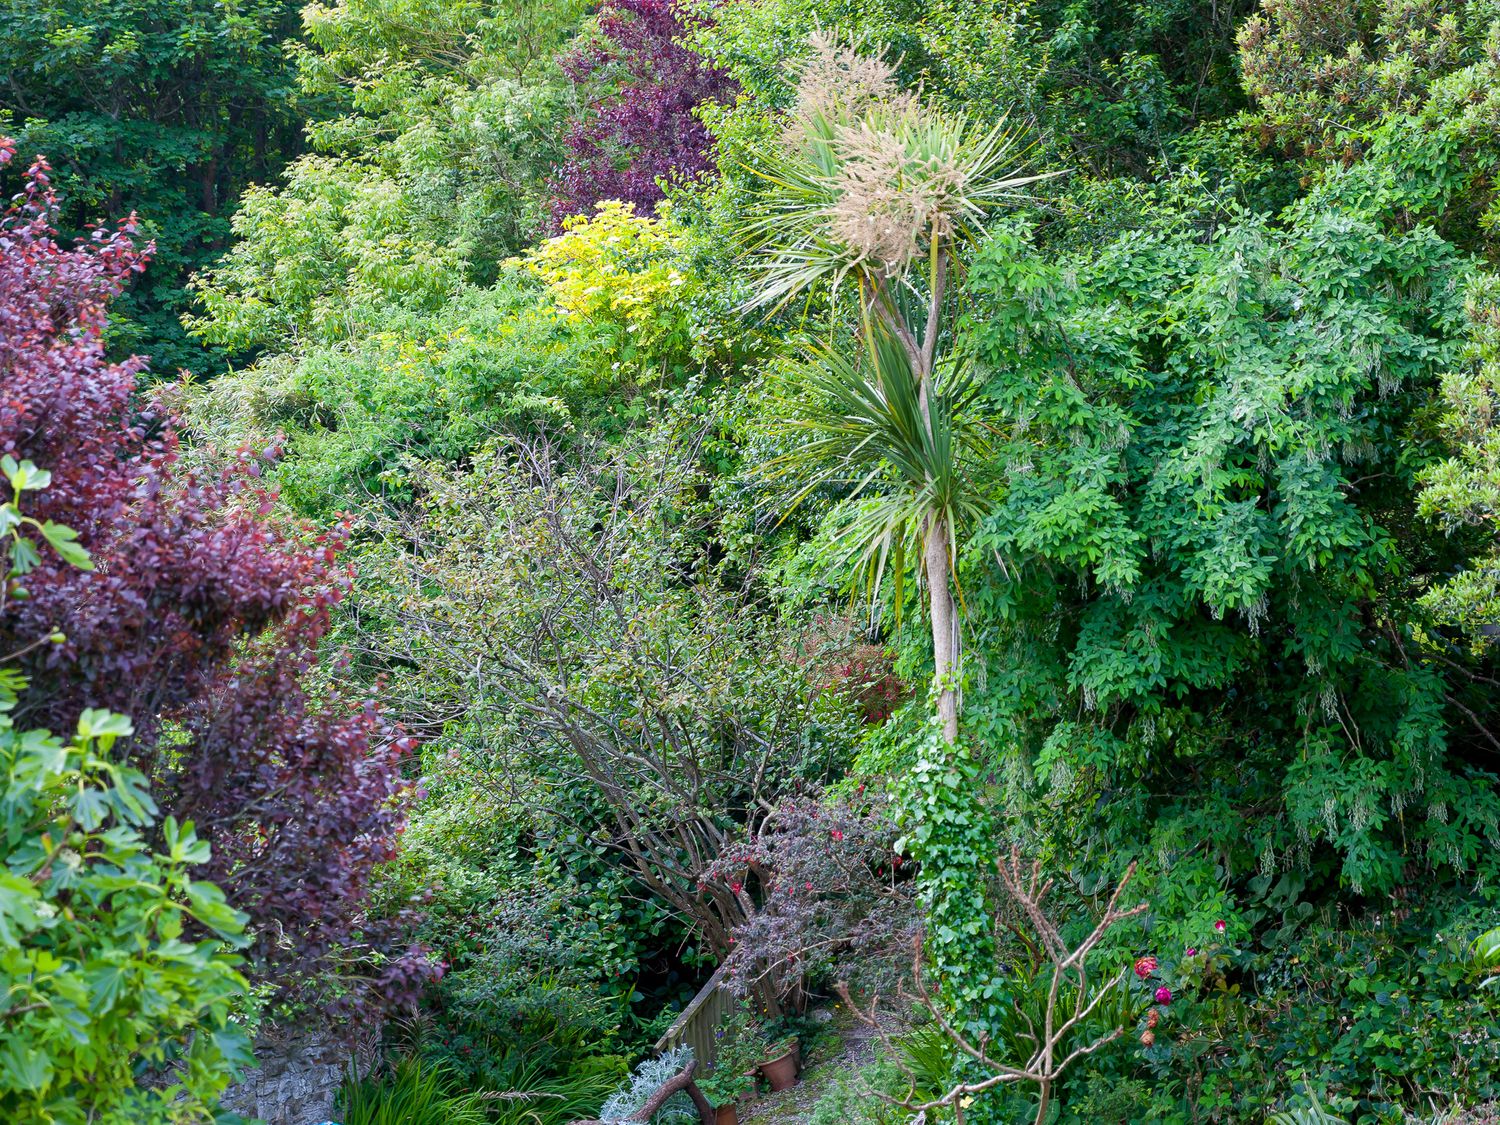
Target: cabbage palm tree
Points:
(873, 187)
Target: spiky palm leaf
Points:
(863, 430)
(803, 184)
(1314, 1114)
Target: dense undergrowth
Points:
(681, 482)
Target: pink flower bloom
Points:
(807, 886)
(1145, 967)
(1163, 995)
(1192, 952)
(836, 834)
(735, 887)
(1220, 925)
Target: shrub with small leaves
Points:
(642, 86)
(828, 890)
(621, 273)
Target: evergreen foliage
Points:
(1207, 449)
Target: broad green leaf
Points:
(105, 983)
(24, 1067)
(23, 555)
(64, 541)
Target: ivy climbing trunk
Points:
(944, 635)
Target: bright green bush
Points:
(616, 272)
(116, 974)
(317, 260)
(433, 384)
(462, 103)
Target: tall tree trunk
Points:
(944, 637)
(922, 355)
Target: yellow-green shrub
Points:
(620, 273)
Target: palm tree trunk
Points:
(944, 638)
(922, 357)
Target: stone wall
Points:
(297, 1073)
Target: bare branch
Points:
(1055, 1050)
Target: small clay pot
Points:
(727, 1115)
(781, 1072)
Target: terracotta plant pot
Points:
(727, 1115)
(781, 1072)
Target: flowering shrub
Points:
(1378, 1012)
(642, 86)
(841, 663)
(829, 892)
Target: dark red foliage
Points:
(831, 893)
(641, 87)
(201, 621)
(838, 662)
(866, 674)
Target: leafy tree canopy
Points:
(168, 110)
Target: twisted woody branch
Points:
(682, 1080)
(1051, 1054)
